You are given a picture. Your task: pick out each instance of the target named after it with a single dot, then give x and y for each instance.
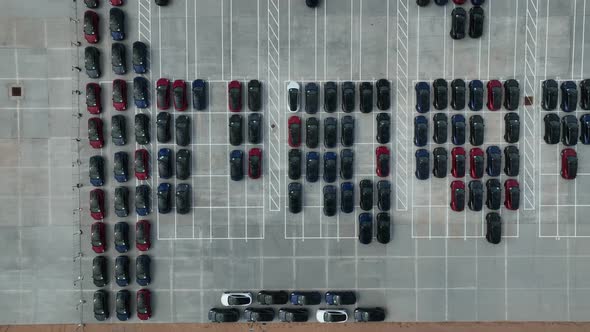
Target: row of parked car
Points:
(101, 306)
(493, 195)
(566, 129)
(121, 236)
(100, 273)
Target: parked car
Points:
(365, 231)
(346, 197)
(476, 95)
(293, 96)
(511, 127)
(493, 228)
(376, 314)
(346, 164)
(164, 198)
(476, 130)
(458, 92)
(422, 164)
(265, 297)
(93, 104)
(312, 95)
(458, 162)
(223, 315)
(139, 58)
(200, 94)
(100, 304)
(98, 237)
(475, 195)
(99, 271)
(441, 94)
(383, 195)
(140, 92)
(569, 164)
(163, 93)
(142, 129)
(117, 23)
(422, 97)
(569, 130)
(511, 94)
(330, 200)
(95, 136)
(440, 157)
(494, 157)
(254, 95)
(366, 97)
(143, 235)
(330, 132)
(255, 163)
(144, 307)
(550, 94)
(143, 274)
(366, 194)
(91, 29)
(183, 198)
(330, 96)
(92, 62)
(294, 131)
(292, 315)
(141, 164)
(331, 315)
(97, 211)
(255, 128)
(493, 194)
(118, 62)
(458, 19)
(383, 128)
(476, 22)
(440, 128)
(236, 165)
(312, 166)
(305, 298)
(142, 200)
(585, 129)
(234, 91)
(122, 305)
(121, 235)
(420, 131)
(569, 96)
(457, 196)
(348, 92)
(458, 129)
(121, 202)
(494, 95)
(163, 121)
(347, 131)
(120, 167)
(183, 130)
(179, 95)
(552, 128)
(119, 95)
(259, 314)
(96, 171)
(295, 197)
(122, 271)
(236, 136)
(382, 156)
(512, 190)
(312, 132)
(512, 160)
(330, 165)
(165, 163)
(119, 130)
(383, 87)
(340, 298)
(294, 164)
(383, 227)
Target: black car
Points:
(183, 164)
(384, 195)
(494, 194)
(183, 131)
(458, 129)
(365, 231)
(366, 194)
(330, 166)
(383, 128)
(96, 171)
(347, 131)
(100, 303)
(121, 202)
(91, 3)
(420, 131)
(458, 18)
(422, 164)
(422, 97)
(139, 58)
(383, 94)
(477, 165)
(493, 228)
(511, 127)
(348, 92)
(330, 200)
(441, 94)
(441, 157)
(512, 160)
(511, 94)
(292, 315)
(92, 62)
(312, 3)
(141, 92)
(585, 94)
(142, 129)
(312, 166)
(552, 128)
(99, 271)
(122, 305)
(330, 96)
(165, 163)
(476, 130)
(312, 96)
(346, 164)
(441, 123)
(118, 59)
(569, 130)
(366, 97)
(118, 130)
(585, 129)
(272, 297)
(340, 298)
(223, 315)
(255, 128)
(330, 132)
(117, 23)
(254, 95)
(164, 3)
(121, 235)
(294, 164)
(164, 198)
(476, 18)
(199, 88)
(383, 227)
(235, 130)
(494, 159)
(143, 274)
(422, 3)
(312, 132)
(550, 95)
(122, 271)
(476, 95)
(163, 127)
(346, 197)
(236, 165)
(295, 197)
(475, 195)
(369, 314)
(142, 200)
(183, 198)
(569, 96)
(120, 162)
(259, 314)
(458, 92)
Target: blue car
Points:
(312, 166)
(494, 156)
(164, 196)
(96, 171)
(143, 275)
(346, 197)
(199, 94)
(365, 228)
(120, 166)
(117, 24)
(569, 96)
(422, 164)
(121, 236)
(422, 97)
(458, 129)
(165, 163)
(142, 200)
(305, 298)
(139, 57)
(236, 165)
(585, 129)
(340, 298)
(420, 130)
(140, 92)
(122, 305)
(330, 167)
(476, 95)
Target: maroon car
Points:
(120, 95)
(179, 95)
(476, 166)
(91, 27)
(512, 190)
(93, 98)
(494, 95)
(95, 133)
(458, 196)
(382, 160)
(234, 93)
(255, 163)
(569, 164)
(97, 237)
(97, 204)
(458, 162)
(144, 305)
(141, 164)
(142, 235)
(163, 93)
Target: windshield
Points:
(117, 95)
(88, 26)
(139, 163)
(140, 233)
(95, 236)
(141, 304)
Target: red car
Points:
(458, 196)
(458, 162)
(97, 204)
(120, 95)
(141, 164)
(142, 235)
(294, 131)
(117, 2)
(476, 166)
(91, 27)
(93, 98)
(144, 306)
(179, 94)
(97, 237)
(569, 164)
(459, 2)
(512, 189)
(234, 93)
(95, 137)
(382, 155)
(494, 95)
(163, 93)
(254, 163)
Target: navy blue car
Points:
(139, 58)
(165, 163)
(199, 94)
(236, 165)
(585, 129)
(569, 96)
(142, 270)
(458, 129)
(422, 164)
(120, 166)
(494, 160)
(365, 228)
(476, 95)
(164, 198)
(305, 298)
(346, 197)
(122, 305)
(140, 92)
(340, 298)
(420, 130)
(312, 166)
(422, 97)
(121, 236)
(330, 162)
(117, 23)
(142, 200)
(96, 171)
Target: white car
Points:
(293, 96)
(331, 316)
(236, 298)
